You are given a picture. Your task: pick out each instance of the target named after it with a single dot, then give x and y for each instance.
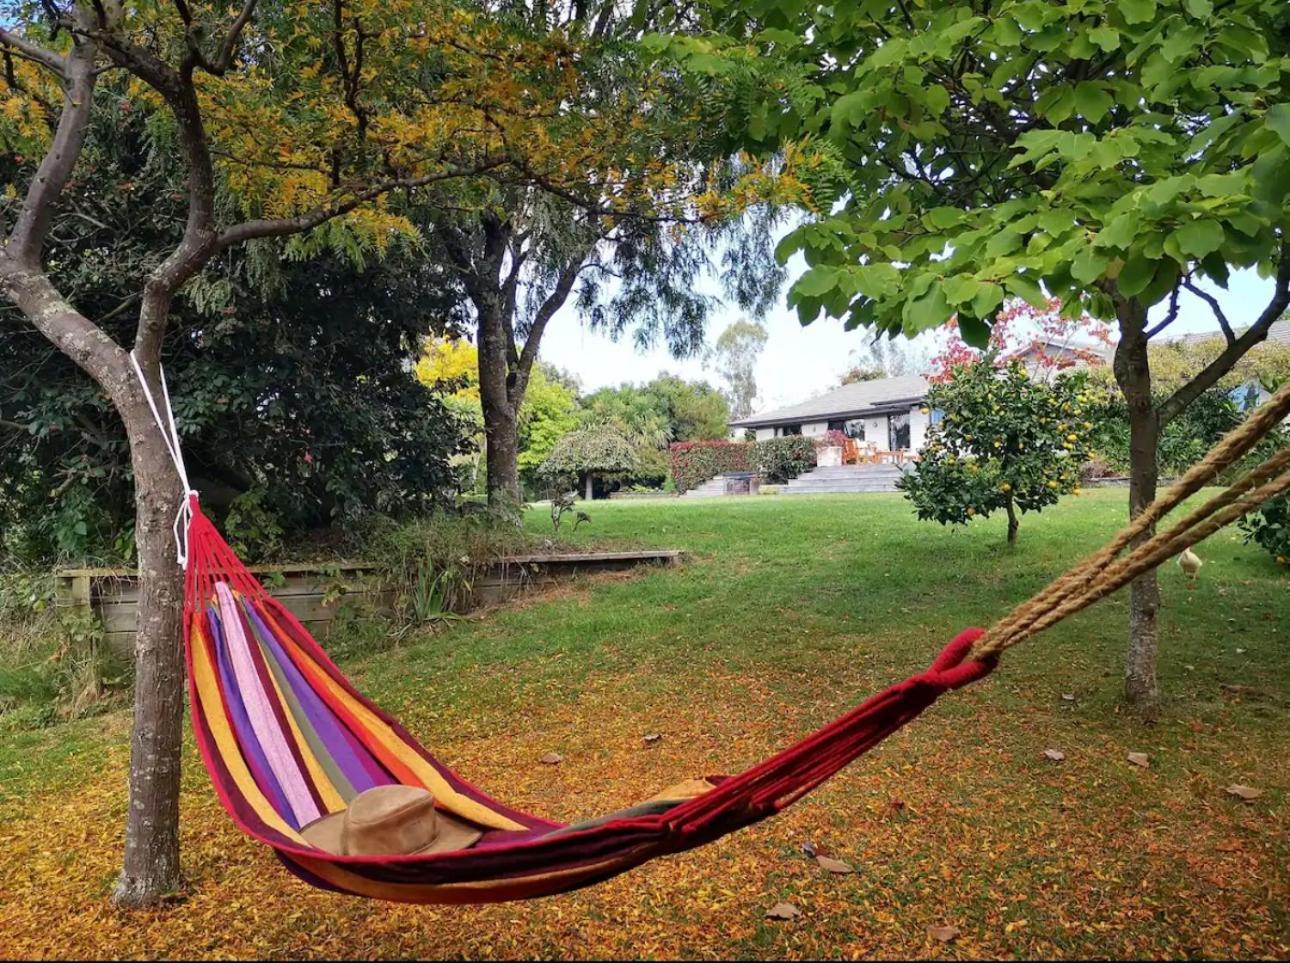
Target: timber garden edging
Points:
(314, 591)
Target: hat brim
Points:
(328, 833)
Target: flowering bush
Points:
(830, 439)
(694, 462)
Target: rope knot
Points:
(952, 669)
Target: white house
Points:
(889, 414)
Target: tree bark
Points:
(150, 871)
(1014, 523)
(1133, 374)
(591, 488)
(501, 414)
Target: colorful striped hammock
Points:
(287, 739)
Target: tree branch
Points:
(34, 52)
(281, 226)
(26, 241)
(1237, 349)
(550, 305)
(1170, 318)
(1216, 309)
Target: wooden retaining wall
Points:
(314, 592)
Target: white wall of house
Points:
(875, 429)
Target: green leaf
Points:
(1057, 104)
(1271, 173)
(1023, 287)
(1181, 43)
(989, 297)
(1198, 238)
(936, 98)
(1088, 266)
(1136, 274)
(817, 282)
(1138, 11)
(1278, 120)
(1200, 9)
(928, 311)
(1092, 101)
(876, 281)
(960, 290)
(1108, 38)
(941, 218)
(849, 110)
(1120, 232)
(974, 331)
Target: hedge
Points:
(694, 462)
(782, 459)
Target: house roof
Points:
(862, 397)
(1278, 333)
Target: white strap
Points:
(170, 437)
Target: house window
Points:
(786, 430)
(851, 427)
(898, 431)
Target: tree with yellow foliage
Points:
(548, 412)
(294, 119)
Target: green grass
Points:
(785, 583)
(787, 611)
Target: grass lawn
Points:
(790, 610)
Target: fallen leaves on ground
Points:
(1139, 759)
(1110, 875)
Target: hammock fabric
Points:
(288, 739)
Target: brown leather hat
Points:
(390, 821)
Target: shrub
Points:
(430, 565)
(1269, 528)
(54, 664)
(694, 462)
(782, 459)
(1007, 442)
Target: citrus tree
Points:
(1004, 442)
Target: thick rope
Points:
(170, 438)
(1103, 572)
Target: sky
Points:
(801, 362)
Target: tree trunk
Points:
(590, 489)
(501, 424)
(1133, 373)
(150, 871)
(1014, 523)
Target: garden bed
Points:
(314, 592)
